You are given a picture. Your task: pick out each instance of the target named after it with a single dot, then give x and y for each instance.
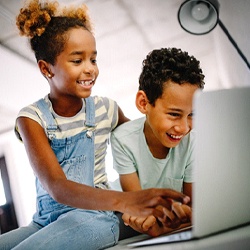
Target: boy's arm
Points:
(130, 182)
(187, 190)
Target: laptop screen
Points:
(222, 160)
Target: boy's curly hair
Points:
(167, 64)
(45, 24)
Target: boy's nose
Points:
(184, 126)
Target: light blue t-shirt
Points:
(131, 154)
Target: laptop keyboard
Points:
(181, 236)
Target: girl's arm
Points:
(53, 179)
(121, 117)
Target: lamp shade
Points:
(198, 16)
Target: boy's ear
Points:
(141, 101)
(45, 68)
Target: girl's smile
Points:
(87, 84)
(76, 69)
(74, 73)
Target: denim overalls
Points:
(58, 226)
(75, 155)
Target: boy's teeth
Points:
(176, 136)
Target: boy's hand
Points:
(179, 213)
(173, 219)
(140, 224)
(182, 211)
(143, 203)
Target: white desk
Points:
(234, 239)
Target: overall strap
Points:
(47, 116)
(90, 112)
(50, 120)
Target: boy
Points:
(156, 150)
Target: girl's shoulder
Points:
(32, 110)
(102, 100)
(105, 104)
(106, 111)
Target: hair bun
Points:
(80, 13)
(34, 18)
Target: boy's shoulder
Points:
(130, 127)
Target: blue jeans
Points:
(77, 229)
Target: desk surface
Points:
(234, 239)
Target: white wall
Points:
(13, 70)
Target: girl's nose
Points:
(88, 68)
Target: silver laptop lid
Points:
(222, 160)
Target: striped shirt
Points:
(106, 118)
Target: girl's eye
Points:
(78, 61)
(94, 61)
(191, 115)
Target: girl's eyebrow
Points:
(81, 53)
(76, 53)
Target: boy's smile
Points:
(170, 119)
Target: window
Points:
(8, 219)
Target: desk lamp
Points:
(200, 17)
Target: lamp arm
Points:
(233, 42)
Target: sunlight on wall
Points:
(22, 181)
(2, 193)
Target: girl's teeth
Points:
(86, 83)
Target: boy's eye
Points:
(191, 114)
(94, 61)
(174, 114)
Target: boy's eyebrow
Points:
(178, 110)
(175, 109)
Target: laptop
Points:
(221, 167)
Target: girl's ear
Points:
(45, 69)
(141, 101)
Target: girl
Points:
(65, 136)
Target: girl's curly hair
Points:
(45, 24)
(167, 64)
